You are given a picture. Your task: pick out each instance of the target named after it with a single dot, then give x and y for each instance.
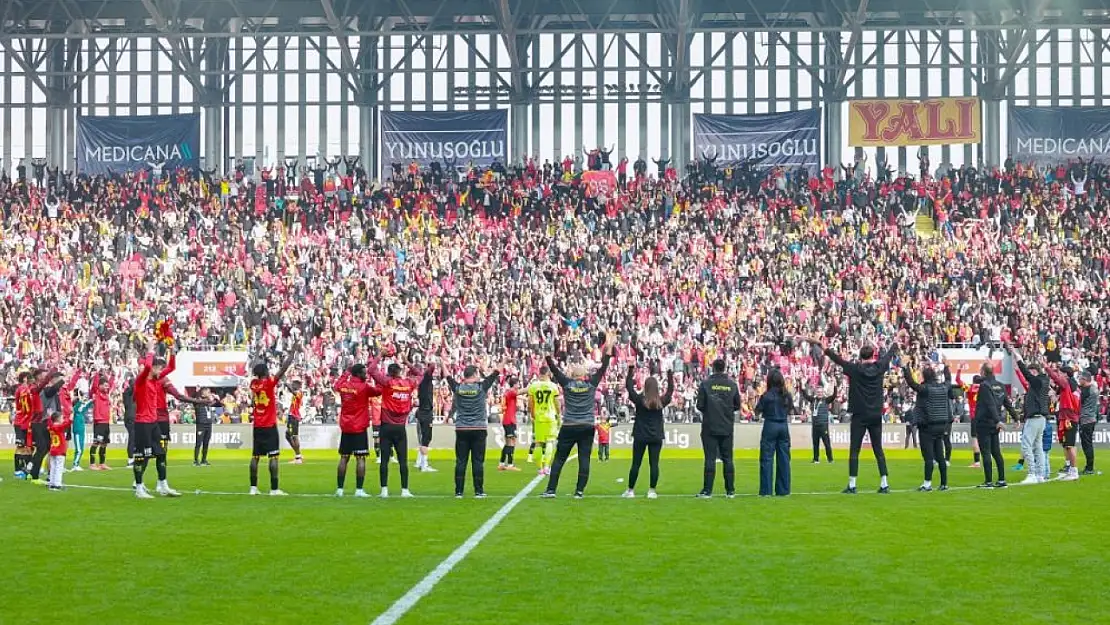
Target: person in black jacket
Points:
(990, 399)
(820, 421)
(129, 417)
(934, 412)
(718, 401)
(865, 403)
(203, 429)
(647, 431)
(774, 407)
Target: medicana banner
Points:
(118, 144)
(683, 436)
(1058, 134)
(773, 139)
(478, 137)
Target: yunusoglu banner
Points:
(1057, 134)
(773, 139)
(122, 143)
(937, 121)
(477, 137)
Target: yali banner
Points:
(450, 137)
(791, 140)
(117, 144)
(1058, 134)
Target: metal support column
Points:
(367, 100)
(59, 99)
(213, 101)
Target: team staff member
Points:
(865, 402)
(543, 397)
(934, 404)
(265, 401)
(774, 408)
(203, 418)
(101, 389)
(579, 390)
(397, 395)
(425, 412)
(128, 398)
(354, 420)
(718, 401)
(471, 427)
(819, 422)
(1035, 414)
(647, 430)
(990, 399)
(508, 423)
(293, 422)
(1088, 417)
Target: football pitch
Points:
(95, 554)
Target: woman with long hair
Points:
(647, 431)
(774, 407)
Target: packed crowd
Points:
(513, 263)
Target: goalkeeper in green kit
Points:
(543, 397)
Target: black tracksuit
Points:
(865, 402)
(934, 409)
(820, 425)
(989, 403)
(718, 401)
(204, 434)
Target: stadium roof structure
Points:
(238, 18)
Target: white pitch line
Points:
(425, 586)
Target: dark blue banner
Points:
(449, 137)
(1058, 134)
(791, 140)
(125, 143)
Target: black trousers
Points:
(40, 434)
(638, 448)
(991, 451)
(470, 446)
(130, 427)
(717, 446)
(857, 431)
(204, 436)
(911, 435)
(1087, 441)
(394, 438)
(569, 437)
(932, 450)
(947, 440)
(821, 435)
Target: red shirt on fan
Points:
(58, 444)
(264, 398)
(354, 403)
(509, 416)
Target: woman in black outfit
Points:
(774, 407)
(647, 431)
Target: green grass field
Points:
(1025, 555)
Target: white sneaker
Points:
(385, 493)
(254, 490)
(1030, 479)
(1071, 476)
(277, 492)
(361, 494)
(405, 494)
(629, 494)
(77, 469)
(142, 493)
(168, 492)
(652, 494)
(339, 492)
(429, 469)
(394, 460)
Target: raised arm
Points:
(668, 395)
(630, 386)
(376, 374)
(556, 372)
(171, 365)
(491, 379)
(452, 383)
(907, 373)
(340, 381)
(288, 362)
(599, 375)
(888, 355)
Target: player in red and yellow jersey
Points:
(508, 423)
(26, 394)
(264, 415)
(293, 422)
